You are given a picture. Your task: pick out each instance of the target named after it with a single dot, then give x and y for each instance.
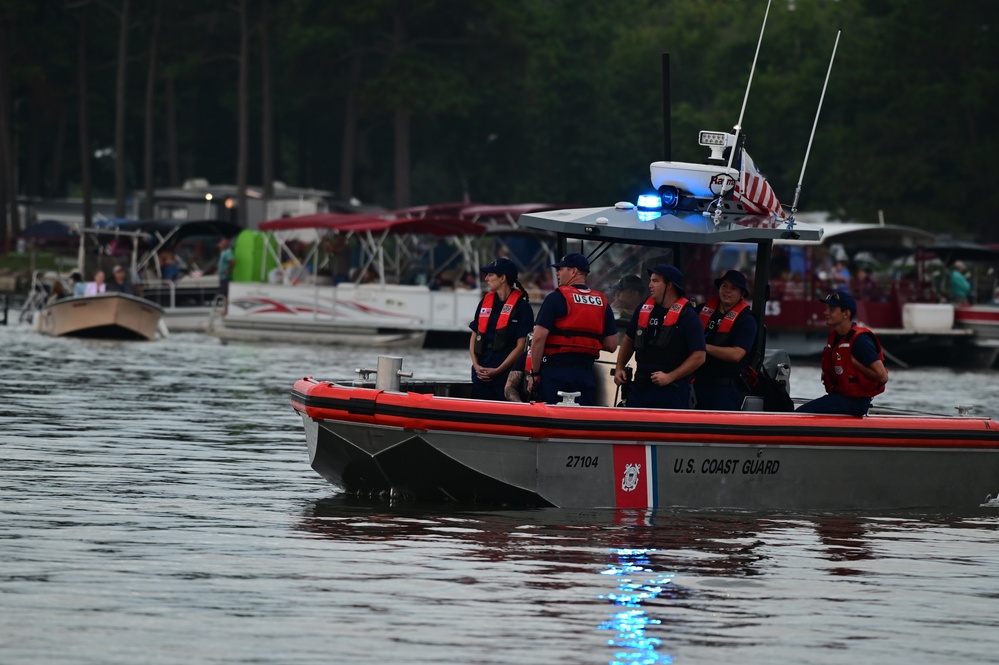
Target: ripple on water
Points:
(157, 506)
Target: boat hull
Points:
(389, 315)
(437, 447)
(983, 319)
(104, 316)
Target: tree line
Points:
(405, 102)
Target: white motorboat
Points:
(105, 316)
(397, 296)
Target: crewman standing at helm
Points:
(729, 335)
(667, 339)
(853, 363)
(499, 333)
(574, 324)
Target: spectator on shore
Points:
(840, 276)
(960, 287)
(226, 263)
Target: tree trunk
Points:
(31, 176)
(8, 188)
(55, 187)
(173, 166)
(150, 163)
(244, 107)
(119, 113)
(267, 112)
(85, 152)
(402, 120)
(348, 155)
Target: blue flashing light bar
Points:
(649, 202)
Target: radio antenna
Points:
(749, 84)
(716, 218)
(808, 150)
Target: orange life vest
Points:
(838, 371)
(581, 330)
(485, 311)
(656, 343)
(719, 335)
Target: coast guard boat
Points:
(428, 440)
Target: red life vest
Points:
(728, 320)
(838, 371)
(486, 310)
(581, 330)
(719, 335)
(658, 348)
(672, 315)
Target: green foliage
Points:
(557, 100)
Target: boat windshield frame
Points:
(623, 224)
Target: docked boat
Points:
(104, 316)
(176, 270)
(400, 288)
(890, 269)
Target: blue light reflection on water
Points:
(631, 623)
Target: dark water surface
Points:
(158, 507)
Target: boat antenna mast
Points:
(745, 99)
(808, 150)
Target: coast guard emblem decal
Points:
(630, 480)
(635, 476)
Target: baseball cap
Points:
(841, 299)
(671, 274)
(577, 261)
(501, 266)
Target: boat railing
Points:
(38, 295)
(900, 290)
(218, 307)
(163, 284)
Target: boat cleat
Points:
(568, 398)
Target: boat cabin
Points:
(625, 240)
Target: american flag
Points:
(753, 190)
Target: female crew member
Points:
(499, 334)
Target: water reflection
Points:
(164, 490)
(629, 624)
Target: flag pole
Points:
(745, 99)
(808, 150)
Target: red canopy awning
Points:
(438, 225)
